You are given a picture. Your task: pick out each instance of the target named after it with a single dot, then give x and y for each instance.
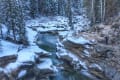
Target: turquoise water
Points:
(68, 73)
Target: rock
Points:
(27, 65)
(43, 73)
(3, 76)
(73, 45)
(117, 76)
(7, 59)
(67, 58)
(43, 54)
(22, 73)
(103, 51)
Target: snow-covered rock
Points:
(8, 48)
(47, 23)
(22, 74)
(79, 40)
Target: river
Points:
(48, 43)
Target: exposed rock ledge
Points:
(11, 69)
(104, 58)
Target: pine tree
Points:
(69, 13)
(33, 8)
(15, 22)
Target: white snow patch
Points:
(63, 33)
(22, 73)
(63, 52)
(47, 64)
(11, 67)
(86, 53)
(28, 54)
(8, 48)
(31, 35)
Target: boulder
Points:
(43, 54)
(66, 58)
(3, 76)
(103, 51)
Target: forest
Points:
(59, 39)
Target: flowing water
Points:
(48, 43)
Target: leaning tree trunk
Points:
(93, 11)
(69, 9)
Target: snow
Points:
(1, 69)
(63, 52)
(28, 53)
(49, 23)
(79, 40)
(74, 58)
(86, 53)
(63, 33)
(47, 64)
(11, 67)
(22, 73)
(81, 22)
(24, 55)
(95, 66)
(31, 35)
(4, 29)
(8, 48)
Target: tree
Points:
(69, 13)
(14, 21)
(33, 8)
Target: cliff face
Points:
(101, 53)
